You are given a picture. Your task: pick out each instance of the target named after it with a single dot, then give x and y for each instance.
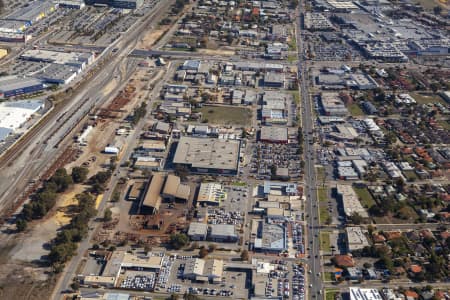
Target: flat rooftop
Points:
(207, 153)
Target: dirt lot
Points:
(22, 281)
(152, 36)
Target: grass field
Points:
(366, 198)
(430, 4)
(330, 294)
(320, 171)
(292, 58)
(355, 110)
(328, 276)
(410, 175)
(445, 124)
(293, 44)
(324, 215)
(224, 115)
(325, 244)
(296, 96)
(322, 194)
(424, 99)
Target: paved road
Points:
(313, 231)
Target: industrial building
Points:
(77, 60)
(274, 108)
(58, 67)
(332, 105)
(174, 190)
(273, 134)
(362, 82)
(15, 113)
(223, 233)
(13, 26)
(356, 240)
(350, 201)
(149, 163)
(270, 238)
(135, 191)
(33, 12)
(210, 193)
(57, 74)
(120, 261)
(317, 21)
(274, 79)
(72, 4)
(160, 188)
(127, 4)
(198, 269)
(364, 294)
(14, 85)
(197, 231)
(208, 155)
(152, 199)
(279, 188)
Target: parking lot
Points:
(266, 156)
(138, 281)
(233, 283)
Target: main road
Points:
(42, 147)
(307, 116)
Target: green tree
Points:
(79, 174)
(21, 225)
(75, 286)
(434, 86)
(178, 240)
(107, 216)
(203, 252)
(244, 255)
(437, 10)
(212, 247)
(356, 218)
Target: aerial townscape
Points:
(225, 149)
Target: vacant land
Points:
(330, 294)
(430, 4)
(325, 244)
(365, 197)
(223, 115)
(328, 276)
(445, 124)
(322, 194)
(320, 171)
(426, 99)
(355, 110)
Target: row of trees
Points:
(139, 113)
(65, 244)
(45, 198)
(179, 6)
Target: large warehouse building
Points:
(78, 60)
(208, 155)
(59, 67)
(15, 113)
(14, 85)
(33, 12)
(127, 4)
(14, 25)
